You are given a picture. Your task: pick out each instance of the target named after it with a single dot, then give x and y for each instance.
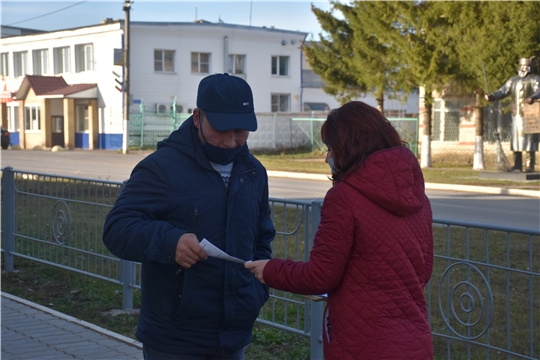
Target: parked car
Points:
(6, 138)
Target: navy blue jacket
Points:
(210, 307)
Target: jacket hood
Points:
(182, 139)
(392, 179)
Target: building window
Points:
(40, 59)
(4, 64)
(311, 106)
(57, 124)
(200, 63)
(281, 102)
(20, 63)
(61, 60)
(164, 60)
(32, 115)
(82, 118)
(84, 59)
(236, 64)
(13, 118)
(280, 65)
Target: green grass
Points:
(443, 170)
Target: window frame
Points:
(20, 63)
(280, 66)
(40, 61)
(198, 64)
(276, 106)
(164, 61)
(62, 60)
(82, 126)
(84, 58)
(32, 116)
(13, 117)
(4, 64)
(233, 60)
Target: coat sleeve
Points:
(266, 228)
(133, 229)
(329, 257)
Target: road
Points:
(515, 211)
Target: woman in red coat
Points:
(373, 251)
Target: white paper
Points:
(216, 252)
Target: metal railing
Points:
(483, 298)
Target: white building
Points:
(167, 62)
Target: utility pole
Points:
(125, 141)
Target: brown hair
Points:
(353, 132)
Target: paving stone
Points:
(30, 333)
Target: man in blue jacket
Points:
(202, 182)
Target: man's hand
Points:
(486, 96)
(529, 100)
(189, 251)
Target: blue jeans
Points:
(153, 354)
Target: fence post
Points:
(8, 210)
(142, 128)
(317, 307)
(126, 268)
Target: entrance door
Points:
(57, 137)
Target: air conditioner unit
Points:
(181, 108)
(162, 108)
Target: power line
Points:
(40, 16)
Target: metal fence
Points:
(147, 128)
(453, 131)
(483, 298)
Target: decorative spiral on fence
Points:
(465, 301)
(61, 225)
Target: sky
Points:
(55, 15)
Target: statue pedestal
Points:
(512, 176)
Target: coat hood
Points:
(392, 179)
(183, 139)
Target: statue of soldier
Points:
(525, 87)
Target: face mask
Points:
(331, 164)
(220, 155)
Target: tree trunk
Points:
(380, 103)
(478, 161)
(426, 100)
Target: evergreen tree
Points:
(350, 59)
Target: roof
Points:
(49, 86)
(70, 89)
(211, 24)
(40, 84)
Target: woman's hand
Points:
(257, 268)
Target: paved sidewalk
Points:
(31, 331)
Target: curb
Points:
(430, 186)
(88, 325)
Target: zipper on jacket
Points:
(195, 216)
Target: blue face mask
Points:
(332, 165)
(220, 155)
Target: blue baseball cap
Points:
(227, 102)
